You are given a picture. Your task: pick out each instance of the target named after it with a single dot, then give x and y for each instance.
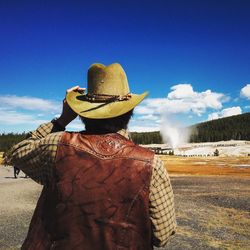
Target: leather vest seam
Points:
(100, 156)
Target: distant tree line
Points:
(146, 137)
(229, 128)
(10, 139)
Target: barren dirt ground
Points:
(213, 212)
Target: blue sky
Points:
(192, 56)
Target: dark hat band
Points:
(106, 98)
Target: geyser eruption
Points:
(173, 133)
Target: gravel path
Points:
(212, 212)
(17, 200)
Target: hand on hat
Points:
(68, 114)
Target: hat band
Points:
(107, 98)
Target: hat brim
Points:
(101, 110)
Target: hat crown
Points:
(107, 80)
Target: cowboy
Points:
(101, 191)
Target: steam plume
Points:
(173, 132)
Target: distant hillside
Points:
(235, 127)
(229, 128)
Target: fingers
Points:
(76, 88)
(72, 89)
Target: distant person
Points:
(16, 171)
(101, 191)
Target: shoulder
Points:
(50, 144)
(144, 152)
(50, 141)
(68, 136)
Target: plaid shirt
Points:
(36, 156)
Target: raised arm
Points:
(35, 156)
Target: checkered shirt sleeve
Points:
(162, 212)
(35, 156)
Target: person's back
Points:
(101, 191)
(101, 195)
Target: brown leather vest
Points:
(99, 198)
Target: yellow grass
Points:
(233, 166)
(1, 157)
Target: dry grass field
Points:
(230, 166)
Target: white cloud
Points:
(149, 117)
(183, 99)
(143, 128)
(150, 106)
(225, 113)
(231, 111)
(28, 103)
(213, 116)
(181, 91)
(245, 91)
(12, 117)
(25, 112)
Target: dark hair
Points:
(110, 125)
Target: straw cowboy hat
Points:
(108, 93)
